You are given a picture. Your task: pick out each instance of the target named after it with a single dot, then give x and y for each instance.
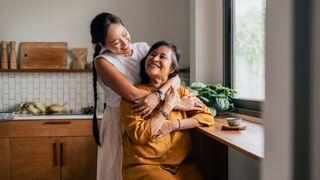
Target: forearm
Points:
(114, 79)
(164, 88)
(174, 81)
(188, 123)
(158, 119)
(134, 94)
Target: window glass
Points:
(248, 49)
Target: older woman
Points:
(158, 146)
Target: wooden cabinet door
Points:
(35, 158)
(78, 158)
(5, 158)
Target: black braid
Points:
(98, 29)
(95, 128)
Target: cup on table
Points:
(234, 121)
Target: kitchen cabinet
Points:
(4, 150)
(5, 158)
(79, 158)
(34, 158)
(52, 150)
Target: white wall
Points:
(206, 41)
(60, 20)
(278, 104)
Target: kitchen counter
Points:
(57, 117)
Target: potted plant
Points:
(217, 97)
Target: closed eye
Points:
(124, 33)
(163, 57)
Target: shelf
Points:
(44, 70)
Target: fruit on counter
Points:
(32, 107)
(56, 109)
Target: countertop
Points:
(53, 117)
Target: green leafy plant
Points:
(217, 97)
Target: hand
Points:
(176, 81)
(145, 106)
(166, 128)
(172, 97)
(190, 103)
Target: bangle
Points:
(163, 113)
(179, 124)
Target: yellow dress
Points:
(164, 158)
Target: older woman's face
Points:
(158, 62)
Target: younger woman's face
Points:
(158, 63)
(118, 40)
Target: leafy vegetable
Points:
(217, 97)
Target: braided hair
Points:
(98, 28)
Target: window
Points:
(244, 50)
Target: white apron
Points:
(109, 161)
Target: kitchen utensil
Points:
(13, 56)
(43, 55)
(4, 59)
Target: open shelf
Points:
(45, 70)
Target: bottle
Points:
(13, 56)
(4, 59)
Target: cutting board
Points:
(43, 55)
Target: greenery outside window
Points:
(244, 53)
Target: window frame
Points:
(243, 106)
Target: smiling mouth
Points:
(154, 65)
(125, 48)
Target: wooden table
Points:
(249, 141)
(210, 146)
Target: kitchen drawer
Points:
(33, 128)
(4, 129)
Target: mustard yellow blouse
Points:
(168, 151)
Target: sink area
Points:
(7, 116)
(13, 116)
(53, 116)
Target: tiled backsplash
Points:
(74, 89)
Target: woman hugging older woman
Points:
(158, 146)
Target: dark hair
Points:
(98, 28)
(175, 59)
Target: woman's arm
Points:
(117, 82)
(195, 118)
(145, 102)
(172, 82)
(140, 130)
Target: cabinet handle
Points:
(55, 160)
(61, 155)
(52, 122)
